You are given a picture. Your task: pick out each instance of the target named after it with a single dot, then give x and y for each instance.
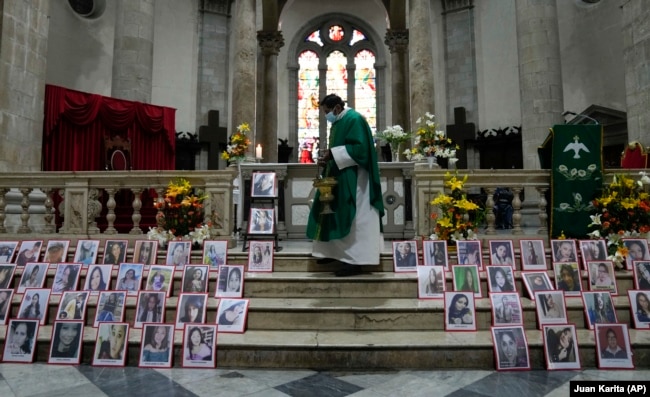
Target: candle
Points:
(258, 151)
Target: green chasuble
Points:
(576, 177)
(353, 132)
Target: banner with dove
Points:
(576, 177)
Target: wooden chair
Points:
(634, 156)
(118, 153)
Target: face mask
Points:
(331, 117)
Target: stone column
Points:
(24, 26)
(421, 59)
(267, 134)
(540, 74)
(243, 76)
(397, 42)
(636, 57)
(133, 50)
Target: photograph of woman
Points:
(431, 281)
(197, 351)
(115, 252)
(215, 252)
(564, 250)
(506, 308)
(501, 253)
(33, 276)
(86, 252)
(195, 279)
(191, 309)
(20, 340)
(435, 253)
(567, 278)
(110, 307)
(642, 275)
(599, 308)
(231, 315)
(129, 277)
(34, 305)
(72, 306)
(29, 251)
(150, 308)
(405, 256)
(6, 296)
(561, 347)
(466, 279)
(178, 253)
(592, 250)
(261, 221)
(111, 344)
(640, 308)
(230, 283)
(98, 278)
(260, 257)
(56, 251)
(157, 342)
(7, 250)
(469, 253)
(532, 254)
(6, 275)
(66, 277)
(550, 307)
(66, 342)
(637, 250)
(460, 313)
(501, 279)
(511, 347)
(263, 184)
(145, 252)
(536, 281)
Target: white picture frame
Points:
(261, 221)
(260, 256)
(110, 307)
(506, 309)
(86, 252)
(232, 315)
(640, 308)
(199, 346)
(431, 282)
(550, 308)
(405, 256)
(230, 282)
(264, 184)
(599, 308)
(20, 341)
(561, 347)
(435, 253)
(111, 345)
(72, 306)
(532, 254)
(460, 312)
(34, 305)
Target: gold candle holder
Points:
(325, 186)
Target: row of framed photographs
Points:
(130, 277)
(613, 349)
(178, 253)
(156, 344)
(501, 252)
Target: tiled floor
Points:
(70, 381)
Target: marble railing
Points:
(32, 202)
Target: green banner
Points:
(576, 177)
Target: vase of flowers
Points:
(431, 142)
(622, 210)
(456, 217)
(239, 142)
(394, 136)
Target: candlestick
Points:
(258, 151)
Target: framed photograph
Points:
(260, 256)
(561, 347)
(33, 276)
(506, 309)
(550, 308)
(264, 184)
(460, 311)
(110, 307)
(215, 252)
(151, 308)
(20, 341)
(195, 278)
(7, 251)
(34, 304)
(231, 315)
(72, 306)
(469, 253)
(110, 346)
(98, 278)
(601, 276)
(510, 348)
(6, 275)
(501, 278)
(434, 253)
(65, 347)
(56, 251)
(639, 305)
(405, 256)
(200, 346)
(642, 275)
(6, 296)
(129, 277)
(592, 250)
(536, 281)
(564, 250)
(29, 251)
(502, 252)
(567, 278)
(637, 250)
(191, 309)
(533, 255)
(431, 282)
(145, 252)
(86, 252)
(160, 278)
(157, 345)
(466, 279)
(115, 252)
(178, 253)
(230, 283)
(613, 346)
(261, 221)
(66, 277)
(599, 308)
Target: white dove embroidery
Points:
(576, 147)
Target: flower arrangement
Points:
(457, 217)
(429, 141)
(180, 214)
(622, 210)
(394, 135)
(239, 142)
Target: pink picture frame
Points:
(641, 275)
(405, 256)
(602, 276)
(7, 272)
(7, 251)
(506, 309)
(550, 308)
(156, 345)
(510, 348)
(150, 308)
(111, 345)
(532, 254)
(29, 251)
(191, 309)
(215, 253)
(640, 308)
(20, 341)
(34, 305)
(431, 282)
(502, 253)
(260, 256)
(56, 251)
(66, 277)
(199, 349)
(435, 253)
(561, 347)
(195, 279)
(460, 312)
(230, 283)
(33, 276)
(613, 348)
(6, 297)
(145, 252)
(86, 252)
(66, 340)
(232, 315)
(110, 307)
(72, 306)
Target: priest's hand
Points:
(325, 156)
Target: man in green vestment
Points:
(353, 234)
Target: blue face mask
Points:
(331, 117)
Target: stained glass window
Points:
(315, 37)
(307, 103)
(336, 33)
(365, 91)
(357, 37)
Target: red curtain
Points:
(76, 123)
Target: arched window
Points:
(336, 56)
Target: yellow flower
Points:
(442, 199)
(444, 222)
(629, 203)
(466, 205)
